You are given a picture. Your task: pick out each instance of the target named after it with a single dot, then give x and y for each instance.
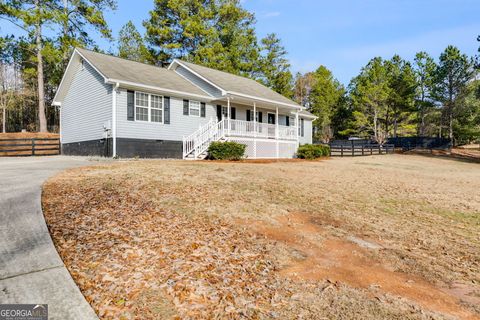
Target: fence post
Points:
(363, 150)
(353, 150)
(379, 149)
(341, 150)
(33, 146)
(371, 150)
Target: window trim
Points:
(148, 107)
(162, 108)
(190, 108)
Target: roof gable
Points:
(135, 74)
(115, 68)
(234, 84)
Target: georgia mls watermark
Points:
(23, 312)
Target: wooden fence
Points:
(353, 150)
(428, 143)
(22, 147)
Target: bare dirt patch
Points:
(339, 260)
(272, 240)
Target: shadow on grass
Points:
(445, 155)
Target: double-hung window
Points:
(148, 107)
(194, 108)
(156, 108)
(141, 106)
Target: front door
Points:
(271, 118)
(222, 112)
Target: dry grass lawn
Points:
(380, 237)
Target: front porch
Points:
(268, 130)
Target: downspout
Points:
(114, 119)
(60, 128)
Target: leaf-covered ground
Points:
(201, 240)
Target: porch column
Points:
(228, 115)
(254, 130)
(254, 119)
(276, 131)
(297, 125)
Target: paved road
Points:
(30, 269)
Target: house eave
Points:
(123, 83)
(259, 99)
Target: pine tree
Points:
(215, 33)
(177, 29)
(32, 16)
(466, 126)
(425, 76)
(453, 73)
(402, 85)
(75, 16)
(325, 98)
(235, 27)
(275, 66)
(369, 93)
(130, 44)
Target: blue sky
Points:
(344, 35)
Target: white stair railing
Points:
(198, 142)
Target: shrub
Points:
(313, 151)
(228, 150)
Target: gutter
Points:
(147, 87)
(114, 119)
(264, 100)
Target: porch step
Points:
(201, 156)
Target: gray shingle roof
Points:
(140, 73)
(126, 70)
(307, 113)
(234, 83)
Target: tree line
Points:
(391, 98)
(388, 98)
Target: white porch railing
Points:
(241, 128)
(198, 142)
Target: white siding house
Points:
(116, 107)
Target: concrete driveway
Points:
(31, 272)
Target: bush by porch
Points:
(227, 150)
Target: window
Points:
(224, 112)
(141, 106)
(148, 107)
(156, 108)
(256, 116)
(194, 108)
